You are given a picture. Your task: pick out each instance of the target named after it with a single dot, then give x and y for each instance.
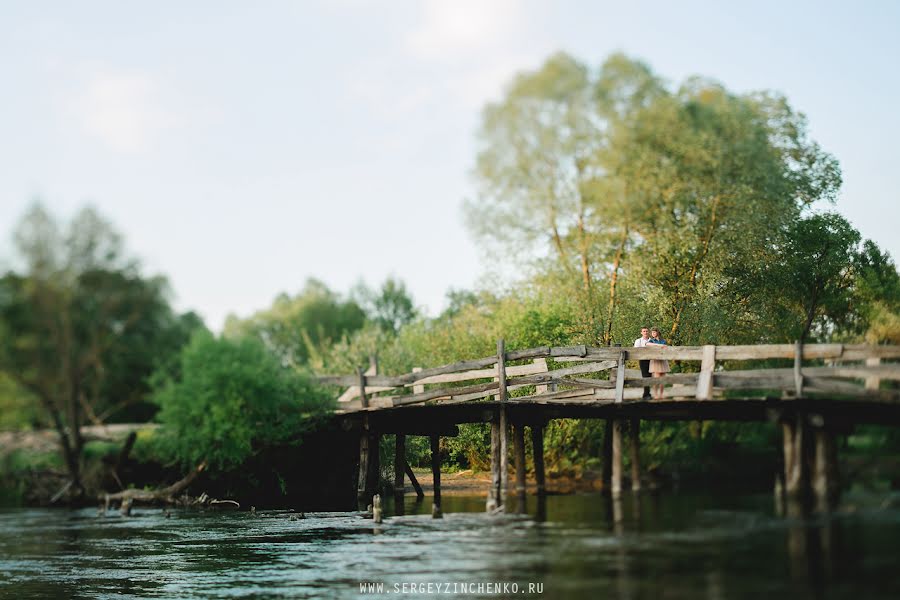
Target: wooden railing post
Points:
(705, 380)
(620, 378)
(873, 383)
(502, 394)
(364, 400)
(798, 372)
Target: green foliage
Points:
(296, 328)
(233, 397)
(80, 328)
(18, 408)
(390, 307)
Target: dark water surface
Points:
(664, 546)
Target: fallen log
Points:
(164, 495)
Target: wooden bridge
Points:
(820, 391)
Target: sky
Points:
(242, 147)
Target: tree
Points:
(80, 328)
(232, 397)
(390, 307)
(626, 183)
(296, 327)
(817, 281)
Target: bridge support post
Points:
(494, 500)
(825, 481)
(537, 447)
(399, 467)
(606, 466)
(635, 449)
(616, 483)
(436, 476)
(369, 468)
(795, 439)
(519, 454)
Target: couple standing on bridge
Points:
(656, 367)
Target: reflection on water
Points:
(588, 546)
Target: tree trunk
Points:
(613, 279)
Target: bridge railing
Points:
(586, 374)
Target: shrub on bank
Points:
(233, 398)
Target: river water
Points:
(670, 545)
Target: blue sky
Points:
(242, 147)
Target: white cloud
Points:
(462, 27)
(123, 110)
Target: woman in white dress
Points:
(658, 367)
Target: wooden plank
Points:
(821, 384)
(579, 351)
(669, 379)
(484, 373)
(432, 394)
(707, 366)
(573, 381)
(864, 351)
(620, 379)
(539, 352)
(798, 372)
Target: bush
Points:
(233, 397)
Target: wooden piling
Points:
(616, 480)
(519, 455)
(494, 495)
(412, 479)
(373, 481)
(537, 447)
(795, 443)
(399, 463)
(635, 450)
(502, 395)
(825, 469)
(363, 474)
(436, 476)
(606, 465)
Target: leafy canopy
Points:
(233, 396)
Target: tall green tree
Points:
(230, 398)
(300, 326)
(646, 192)
(80, 329)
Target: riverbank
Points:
(32, 472)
